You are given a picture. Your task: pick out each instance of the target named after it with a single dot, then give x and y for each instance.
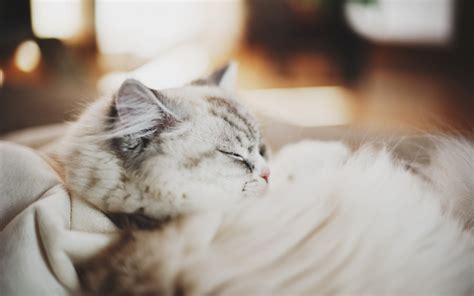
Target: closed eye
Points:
(238, 157)
(262, 149)
(232, 154)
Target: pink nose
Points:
(265, 173)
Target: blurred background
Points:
(392, 66)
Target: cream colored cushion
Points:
(42, 231)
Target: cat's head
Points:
(177, 149)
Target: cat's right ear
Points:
(225, 77)
(140, 111)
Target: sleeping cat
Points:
(332, 221)
(158, 153)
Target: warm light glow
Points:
(171, 69)
(308, 106)
(2, 77)
(27, 56)
(147, 28)
(57, 19)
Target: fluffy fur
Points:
(451, 170)
(332, 222)
(161, 153)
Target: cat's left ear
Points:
(225, 77)
(140, 110)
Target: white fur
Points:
(332, 222)
(451, 171)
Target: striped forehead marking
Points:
(228, 112)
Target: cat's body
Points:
(332, 222)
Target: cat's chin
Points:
(254, 188)
(225, 198)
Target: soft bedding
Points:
(42, 232)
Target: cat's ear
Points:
(225, 77)
(140, 110)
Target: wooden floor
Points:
(399, 91)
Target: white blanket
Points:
(42, 231)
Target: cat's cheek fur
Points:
(176, 189)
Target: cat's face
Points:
(185, 148)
